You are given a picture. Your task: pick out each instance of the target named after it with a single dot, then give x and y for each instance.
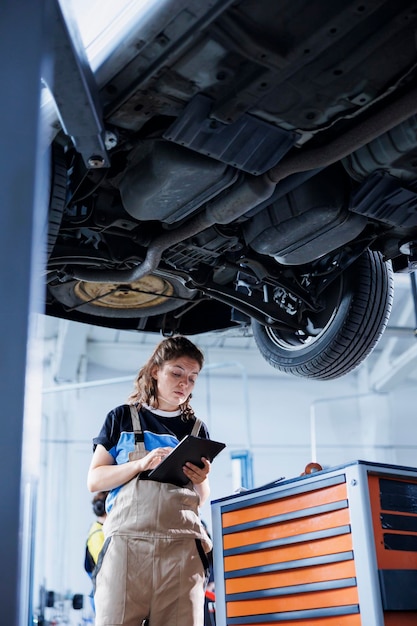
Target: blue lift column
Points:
(22, 221)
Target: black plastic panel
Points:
(407, 543)
(399, 590)
(399, 522)
(398, 495)
(383, 199)
(248, 144)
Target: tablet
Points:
(189, 449)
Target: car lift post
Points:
(37, 43)
(22, 50)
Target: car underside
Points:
(255, 169)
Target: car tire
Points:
(58, 196)
(356, 316)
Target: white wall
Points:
(246, 404)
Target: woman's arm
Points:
(199, 478)
(104, 474)
(203, 490)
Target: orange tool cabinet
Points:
(333, 548)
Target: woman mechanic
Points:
(153, 563)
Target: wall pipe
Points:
(125, 379)
(313, 438)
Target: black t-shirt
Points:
(117, 436)
(159, 430)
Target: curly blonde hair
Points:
(145, 391)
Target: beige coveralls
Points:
(150, 566)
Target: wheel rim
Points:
(294, 341)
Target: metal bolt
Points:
(110, 139)
(96, 161)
